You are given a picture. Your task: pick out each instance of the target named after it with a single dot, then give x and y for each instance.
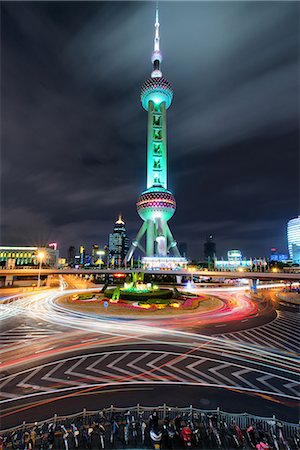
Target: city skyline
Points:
(226, 128)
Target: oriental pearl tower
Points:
(156, 205)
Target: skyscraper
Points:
(82, 255)
(209, 249)
(94, 254)
(71, 256)
(118, 242)
(293, 235)
(156, 205)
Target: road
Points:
(55, 360)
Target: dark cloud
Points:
(74, 133)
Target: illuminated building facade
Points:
(275, 256)
(118, 242)
(293, 235)
(27, 256)
(81, 255)
(156, 205)
(235, 261)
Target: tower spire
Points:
(156, 58)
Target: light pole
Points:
(40, 256)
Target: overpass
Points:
(9, 274)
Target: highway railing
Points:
(86, 417)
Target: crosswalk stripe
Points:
(281, 337)
(273, 342)
(282, 333)
(262, 340)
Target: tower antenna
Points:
(156, 58)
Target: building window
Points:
(157, 149)
(156, 121)
(157, 134)
(156, 179)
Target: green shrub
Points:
(142, 296)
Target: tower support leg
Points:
(136, 242)
(150, 238)
(173, 243)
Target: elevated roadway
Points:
(264, 276)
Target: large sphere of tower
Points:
(156, 203)
(158, 90)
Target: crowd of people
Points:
(129, 430)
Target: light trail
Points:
(113, 333)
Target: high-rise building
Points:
(209, 249)
(156, 205)
(293, 235)
(71, 255)
(118, 242)
(94, 254)
(81, 255)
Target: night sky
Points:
(74, 131)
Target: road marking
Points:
(44, 350)
(89, 340)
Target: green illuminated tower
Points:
(157, 204)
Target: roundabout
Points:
(90, 354)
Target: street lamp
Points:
(100, 253)
(40, 256)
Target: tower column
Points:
(136, 242)
(150, 145)
(164, 180)
(150, 238)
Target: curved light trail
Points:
(199, 359)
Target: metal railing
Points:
(243, 420)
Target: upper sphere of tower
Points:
(158, 90)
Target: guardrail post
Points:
(55, 419)
(191, 411)
(84, 414)
(138, 409)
